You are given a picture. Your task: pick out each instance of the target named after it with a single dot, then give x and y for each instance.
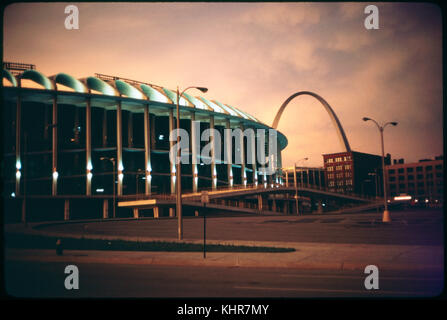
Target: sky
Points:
(253, 56)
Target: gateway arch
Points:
(341, 133)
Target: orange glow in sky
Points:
(255, 55)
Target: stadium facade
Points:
(67, 138)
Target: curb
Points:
(213, 262)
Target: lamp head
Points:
(365, 119)
(202, 89)
(394, 123)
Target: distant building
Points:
(354, 172)
(313, 177)
(422, 180)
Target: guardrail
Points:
(190, 193)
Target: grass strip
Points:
(29, 241)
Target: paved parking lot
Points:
(412, 227)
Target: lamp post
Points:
(114, 182)
(386, 213)
(178, 202)
(296, 186)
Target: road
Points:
(44, 279)
(417, 227)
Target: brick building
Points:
(354, 172)
(422, 180)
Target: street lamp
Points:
(178, 202)
(114, 182)
(296, 186)
(386, 213)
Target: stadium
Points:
(67, 138)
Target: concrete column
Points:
(196, 213)
(119, 148)
(54, 146)
(228, 152)
(195, 142)
(67, 210)
(147, 151)
(88, 146)
(302, 178)
(308, 180)
(262, 203)
(105, 208)
(241, 203)
(136, 213)
(243, 173)
(171, 145)
(18, 139)
(156, 212)
(172, 212)
(253, 158)
(213, 156)
(314, 181)
(274, 204)
(287, 179)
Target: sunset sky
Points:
(255, 55)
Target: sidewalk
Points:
(308, 255)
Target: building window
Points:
(391, 171)
(338, 168)
(330, 160)
(340, 183)
(392, 178)
(419, 169)
(429, 168)
(349, 182)
(392, 186)
(410, 169)
(330, 176)
(347, 167)
(438, 175)
(330, 168)
(331, 183)
(438, 167)
(420, 176)
(401, 186)
(401, 170)
(429, 175)
(339, 175)
(348, 174)
(410, 177)
(401, 178)
(420, 185)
